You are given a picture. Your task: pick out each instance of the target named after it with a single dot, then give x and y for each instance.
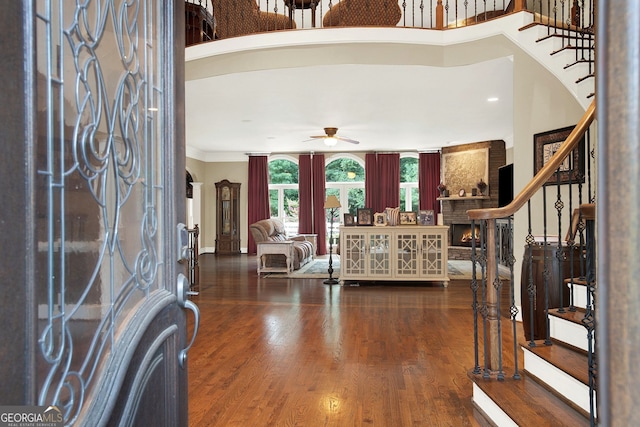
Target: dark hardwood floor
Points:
(296, 352)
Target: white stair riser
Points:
(579, 295)
(491, 409)
(569, 332)
(563, 383)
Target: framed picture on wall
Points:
(546, 144)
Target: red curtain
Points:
(258, 200)
(319, 221)
(382, 181)
(388, 181)
(305, 194)
(370, 181)
(311, 185)
(428, 180)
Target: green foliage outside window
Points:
(342, 170)
(338, 171)
(292, 203)
(356, 200)
(273, 203)
(409, 173)
(283, 172)
(408, 169)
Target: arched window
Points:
(283, 192)
(409, 193)
(345, 180)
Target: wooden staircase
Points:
(570, 58)
(553, 387)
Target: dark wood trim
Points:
(17, 216)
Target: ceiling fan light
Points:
(330, 141)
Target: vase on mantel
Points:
(482, 186)
(443, 190)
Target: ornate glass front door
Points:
(105, 324)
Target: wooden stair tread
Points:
(577, 280)
(579, 61)
(528, 403)
(569, 360)
(572, 316)
(590, 76)
(586, 32)
(563, 49)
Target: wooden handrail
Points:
(543, 175)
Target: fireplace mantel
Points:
(457, 198)
(455, 207)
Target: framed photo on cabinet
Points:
(380, 219)
(426, 217)
(408, 218)
(365, 216)
(349, 220)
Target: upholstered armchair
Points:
(241, 17)
(362, 13)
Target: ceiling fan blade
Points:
(318, 136)
(352, 141)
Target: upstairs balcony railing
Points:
(208, 20)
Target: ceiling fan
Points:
(330, 139)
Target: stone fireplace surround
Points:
(454, 209)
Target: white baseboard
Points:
(212, 250)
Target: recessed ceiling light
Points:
(493, 99)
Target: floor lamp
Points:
(332, 203)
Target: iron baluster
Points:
(530, 240)
(559, 206)
(474, 305)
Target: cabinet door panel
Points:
(431, 262)
(379, 254)
(406, 255)
(352, 256)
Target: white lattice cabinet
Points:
(417, 253)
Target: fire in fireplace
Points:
(461, 235)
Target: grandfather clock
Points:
(227, 217)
